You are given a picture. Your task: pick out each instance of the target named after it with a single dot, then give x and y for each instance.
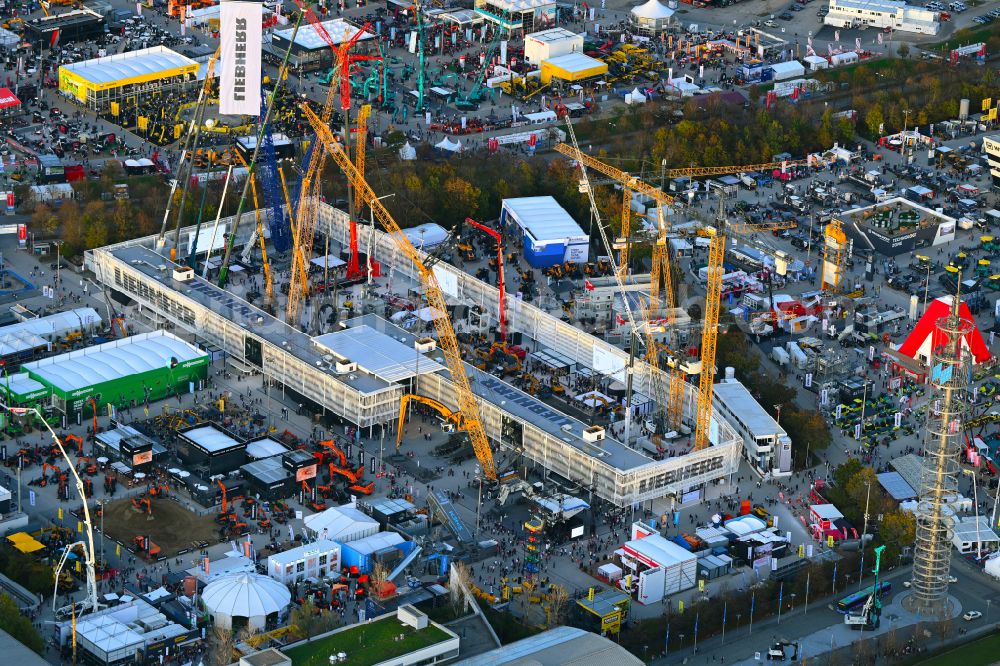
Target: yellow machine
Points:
(454, 418)
(432, 290)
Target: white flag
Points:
(857, 43)
(239, 84)
(880, 38)
(836, 36)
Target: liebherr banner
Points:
(240, 53)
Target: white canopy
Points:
(407, 152)
(635, 97)
(341, 523)
(652, 10)
(245, 595)
(447, 144)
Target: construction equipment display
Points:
(435, 297)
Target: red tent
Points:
(8, 99)
(922, 339)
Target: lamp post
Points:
(927, 279)
(975, 498)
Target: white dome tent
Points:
(407, 152)
(246, 599)
(651, 17)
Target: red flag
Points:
(589, 285)
(55, 39)
(620, 320)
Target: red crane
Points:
(342, 62)
(498, 237)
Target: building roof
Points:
(340, 520)
(18, 652)
(825, 511)
(21, 384)
(652, 10)
(562, 646)
(897, 487)
(787, 67)
(377, 353)
(301, 552)
(268, 471)
(910, 468)
(268, 657)
(113, 360)
(744, 407)
(426, 236)
(128, 65)
(33, 333)
(543, 219)
(660, 550)
(210, 438)
(554, 35)
(308, 37)
(965, 529)
(246, 595)
(521, 5)
(108, 634)
(574, 62)
(926, 328)
(265, 448)
(375, 542)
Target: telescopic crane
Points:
(432, 290)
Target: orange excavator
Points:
(225, 515)
(307, 494)
(161, 491)
(145, 547)
(354, 479)
(56, 473)
(76, 439)
(143, 505)
(335, 450)
(86, 465)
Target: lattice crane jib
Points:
(709, 338)
(361, 139)
(435, 298)
(626, 229)
(701, 172)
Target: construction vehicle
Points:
(450, 420)
(143, 505)
(225, 515)
(870, 615)
(144, 547)
(86, 465)
(498, 237)
(335, 450)
(432, 291)
(162, 491)
(74, 439)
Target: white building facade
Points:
(882, 14)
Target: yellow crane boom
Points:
(709, 338)
(432, 290)
(440, 408)
(698, 172)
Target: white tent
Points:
(407, 152)
(341, 523)
(245, 595)
(652, 10)
(449, 145)
(635, 97)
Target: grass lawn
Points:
(365, 645)
(979, 652)
(970, 35)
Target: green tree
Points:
(95, 233)
(874, 120)
(843, 474)
(903, 50)
(19, 626)
(897, 531)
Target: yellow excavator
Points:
(454, 419)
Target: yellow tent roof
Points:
(25, 543)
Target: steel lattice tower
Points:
(950, 365)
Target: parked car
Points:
(972, 615)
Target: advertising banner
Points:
(239, 84)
